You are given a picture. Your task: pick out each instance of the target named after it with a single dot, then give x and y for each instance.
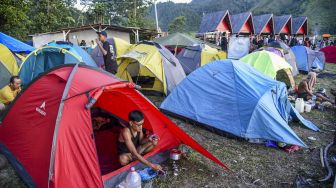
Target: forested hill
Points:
(321, 13)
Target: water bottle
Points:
(133, 179)
(313, 100)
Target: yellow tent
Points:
(9, 60)
(151, 66)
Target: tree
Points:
(14, 19)
(177, 25)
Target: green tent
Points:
(181, 40)
(271, 65)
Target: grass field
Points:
(252, 165)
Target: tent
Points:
(151, 66)
(14, 44)
(287, 53)
(9, 65)
(193, 57)
(119, 48)
(307, 59)
(238, 47)
(231, 96)
(330, 53)
(271, 65)
(178, 40)
(51, 143)
(51, 55)
(273, 50)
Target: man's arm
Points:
(305, 86)
(101, 47)
(6, 96)
(128, 141)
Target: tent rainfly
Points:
(282, 24)
(216, 21)
(300, 25)
(242, 23)
(263, 24)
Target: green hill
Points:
(321, 13)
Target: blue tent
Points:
(52, 55)
(14, 44)
(233, 97)
(308, 59)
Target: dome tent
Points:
(54, 108)
(51, 55)
(151, 66)
(271, 65)
(9, 65)
(287, 53)
(196, 56)
(119, 48)
(308, 59)
(233, 97)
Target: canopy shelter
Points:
(233, 97)
(193, 57)
(151, 66)
(282, 24)
(176, 42)
(14, 44)
(300, 25)
(216, 21)
(242, 23)
(9, 65)
(308, 59)
(52, 55)
(263, 24)
(271, 65)
(118, 46)
(287, 54)
(52, 142)
(330, 53)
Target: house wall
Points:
(77, 37)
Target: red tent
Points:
(47, 133)
(329, 53)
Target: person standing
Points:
(107, 49)
(224, 42)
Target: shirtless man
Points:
(132, 143)
(306, 87)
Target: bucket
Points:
(299, 105)
(307, 107)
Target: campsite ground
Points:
(252, 165)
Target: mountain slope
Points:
(318, 11)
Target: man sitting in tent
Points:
(132, 143)
(9, 92)
(306, 88)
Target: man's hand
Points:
(156, 167)
(97, 41)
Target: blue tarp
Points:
(14, 44)
(233, 97)
(307, 59)
(52, 55)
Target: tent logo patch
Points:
(42, 109)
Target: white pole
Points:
(156, 17)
